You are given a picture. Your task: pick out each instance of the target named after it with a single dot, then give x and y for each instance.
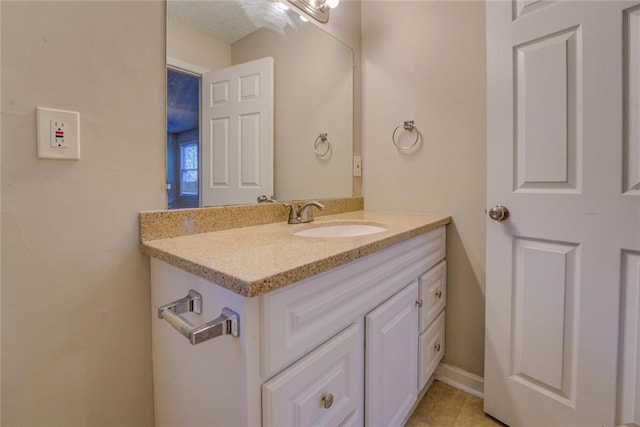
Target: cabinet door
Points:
(391, 359)
(322, 389)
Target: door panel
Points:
(556, 150)
(545, 98)
(523, 7)
(543, 317)
(631, 180)
(218, 174)
(629, 404)
(249, 151)
(629, 371)
(237, 133)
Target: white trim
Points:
(186, 66)
(460, 379)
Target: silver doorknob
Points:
(499, 213)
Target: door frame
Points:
(196, 71)
(186, 67)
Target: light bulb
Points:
(332, 3)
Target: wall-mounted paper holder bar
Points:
(225, 324)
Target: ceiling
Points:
(183, 98)
(221, 19)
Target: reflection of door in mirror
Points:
(228, 160)
(183, 135)
(237, 133)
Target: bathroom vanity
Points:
(332, 331)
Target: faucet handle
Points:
(293, 213)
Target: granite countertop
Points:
(257, 259)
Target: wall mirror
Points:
(217, 157)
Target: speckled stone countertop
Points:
(254, 260)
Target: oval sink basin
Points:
(340, 230)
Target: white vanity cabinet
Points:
(344, 347)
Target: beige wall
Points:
(76, 347)
(188, 45)
(425, 61)
(345, 25)
(313, 82)
(76, 342)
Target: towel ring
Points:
(408, 125)
(322, 138)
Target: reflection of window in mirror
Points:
(189, 169)
(183, 134)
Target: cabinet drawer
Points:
(430, 350)
(433, 293)
(333, 372)
(436, 246)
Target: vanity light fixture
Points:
(271, 14)
(317, 9)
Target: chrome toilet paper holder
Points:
(225, 324)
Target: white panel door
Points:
(391, 373)
(237, 133)
(563, 144)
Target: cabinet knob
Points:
(437, 348)
(439, 293)
(327, 400)
(418, 303)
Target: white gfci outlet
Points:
(58, 134)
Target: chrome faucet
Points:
(303, 213)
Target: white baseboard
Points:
(460, 379)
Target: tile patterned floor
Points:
(446, 406)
